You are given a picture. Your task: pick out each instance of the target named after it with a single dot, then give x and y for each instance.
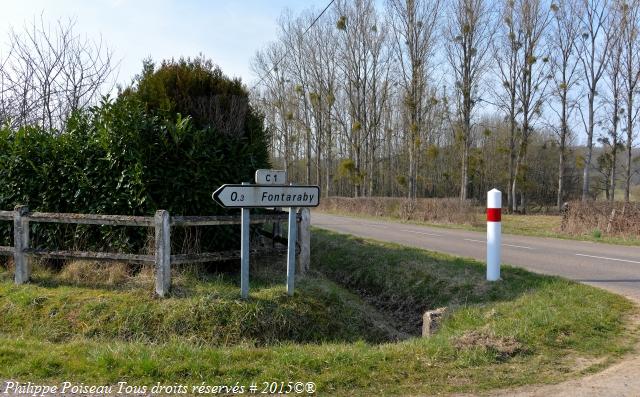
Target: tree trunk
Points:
(329, 163)
(358, 182)
(464, 183)
(514, 183)
(512, 156)
(563, 138)
(318, 151)
(612, 176)
(614, 148)
(308, 176)
(629, 146)
(412, 167)
(587, 163)
(561, 175)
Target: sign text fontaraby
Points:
(256, 196)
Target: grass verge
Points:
(525, 329)
(203, 309)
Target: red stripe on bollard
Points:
(493, 214)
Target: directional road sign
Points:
(256, 196)
(271, 177)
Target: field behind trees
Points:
(450, 99)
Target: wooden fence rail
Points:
(161, 222)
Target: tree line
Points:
(451, 98)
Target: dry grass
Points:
(602, 218)
(8, 264)
(430, 210)
(485, 340)
(83, 272)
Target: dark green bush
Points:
(137, 154)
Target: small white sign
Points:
(271, 177)
(257, 196)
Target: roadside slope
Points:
(544, 255)
(612, 267)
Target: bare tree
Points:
(613, 101)
(531, 19)
(593, 49)
(321, 59)
(469, 34)
(362, 64)
(523, 67)
(292, 37)
(629, 29)
(415, 27)
(564, 63)
(50, 72)
(276, 100)
(506, 50)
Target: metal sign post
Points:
(246, 196)
(244, 252)
(291, 250)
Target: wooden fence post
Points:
(304, 241)
(20, 243)
(163, 252)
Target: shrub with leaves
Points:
(166, 143)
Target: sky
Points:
(227, 31)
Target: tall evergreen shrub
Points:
(167, 142)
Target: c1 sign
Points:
(271, 177)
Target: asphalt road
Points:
(612, 267)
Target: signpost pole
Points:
(270, 192)
(494, 230)
(291, 250)
(244, 252)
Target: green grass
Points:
(525, 329)
(549, 226)
(524, 225)
(203, 309)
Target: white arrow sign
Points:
(256, 196)
(271, 177)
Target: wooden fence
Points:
(162, 222)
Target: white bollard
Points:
(494, 231)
